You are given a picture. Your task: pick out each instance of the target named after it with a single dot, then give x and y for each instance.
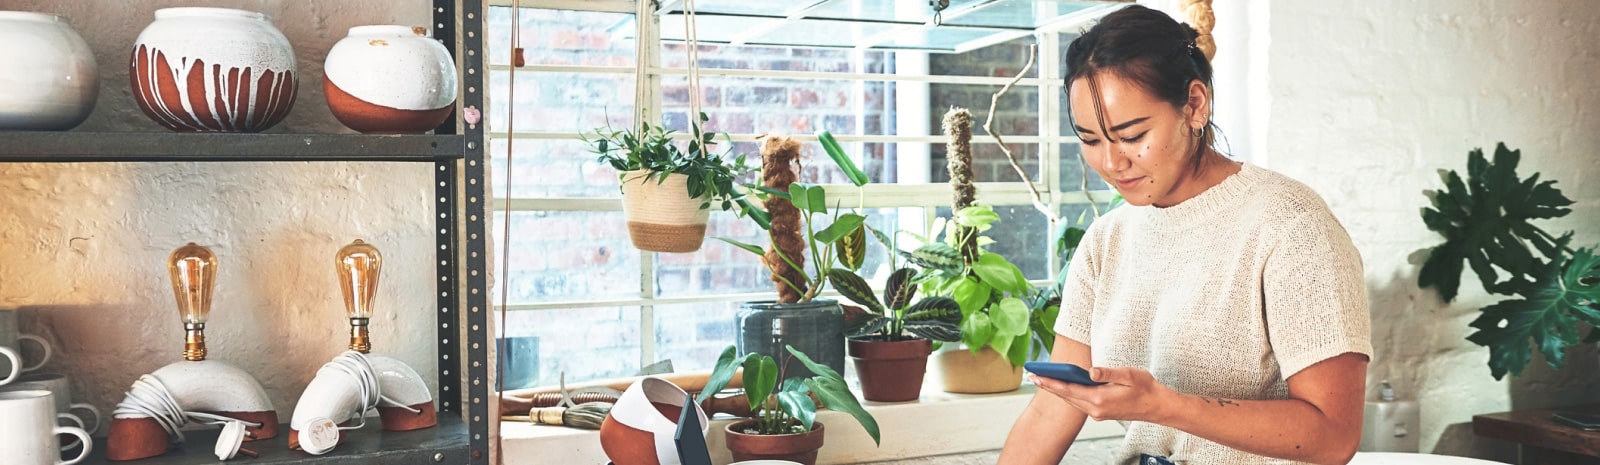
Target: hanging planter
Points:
(661, 215)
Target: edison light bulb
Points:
(193, 270)
(358, 264)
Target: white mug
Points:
(61, 394)
(28, 430)
(11, 350)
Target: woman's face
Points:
(1138, 143)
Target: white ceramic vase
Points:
(49, 80)
(213, 69)
(390, 80)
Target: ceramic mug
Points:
(28, 429)
(11, 351)
(61, 393)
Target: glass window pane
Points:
(713, 28)
(823, 33)
(693, 335)
(1000, 60)
(552, 168)
(561, 102)
(563, 256)
(562, 37)
(989, 163)
(718, 267)
(584, 343)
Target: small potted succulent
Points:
(801, 253)
(890, 339)
(785, 407)
(668, 191)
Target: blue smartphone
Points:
(1061, 371)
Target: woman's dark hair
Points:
(1146, 47)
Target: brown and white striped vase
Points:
(661, 215)
(213, 70)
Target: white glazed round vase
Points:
(50, 80)
(390, 80)
(213, 70)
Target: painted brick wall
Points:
(84, 246)
(1369, 99)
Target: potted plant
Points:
(667, 192)
(785, 407)
(890, 340)
(801, 253)
(1551, 287)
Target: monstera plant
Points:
(1487, 221)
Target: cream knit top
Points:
(1226, 294)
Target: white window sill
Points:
(939, 423)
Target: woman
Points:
(1224, 306)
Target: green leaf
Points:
(935, 318)
(899, 291)
(1002, 344)
(973, 295)
(747, 247)
(760, 378)
(997, 272)
(976, 331)
(1485, 223)
(1019, 350)
(833, 393)
(761, 217)
(816, 368)
(1544, 317)
(800, 197)
(937, 255)
(840, 158)
(852, 287)
(1010, 317)
(977, 216)
(844, 225)
(1067, 243)
(722, 372)
(860, 322)
(853, 248)
(795, 400)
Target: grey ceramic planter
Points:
(815, 328)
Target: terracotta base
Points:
(370, 118)
(139, 438)
(801, 448)
(667, 238)
(399, 419)
(985, 373)
(890, 371)
(626, 445)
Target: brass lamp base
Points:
(359, 340)
(194, 342)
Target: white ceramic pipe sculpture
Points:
(206, 391)
(346, 388)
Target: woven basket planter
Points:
(661, 216)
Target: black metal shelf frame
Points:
(463, 433)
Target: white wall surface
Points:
(1369, 98)
(83, 247)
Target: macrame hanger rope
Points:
(691, 37)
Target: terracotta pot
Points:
(389, 80)
(661, 215)
(50, 80)
(984, 373)
(641, 427)
(890, 371)
(213, 69)
(799, 448)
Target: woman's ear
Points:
(1199, 105)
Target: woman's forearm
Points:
(1042, 434)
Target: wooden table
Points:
(1540, 440)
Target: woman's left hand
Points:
(1129, 394)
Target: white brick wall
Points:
(1370, 98)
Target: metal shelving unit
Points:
(462, 435)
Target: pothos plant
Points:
(999, 307)
(794, 212)
(895, 318)
(787, 407)
(651, 149)
(1486, 222)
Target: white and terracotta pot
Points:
(49, 80)
(213, 69)
(390, 80)
(661, 215)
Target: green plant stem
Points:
(1554, 240)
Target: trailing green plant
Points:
(1486, 222)
(895, 318)
(793, 220)
(652, 150)
(784, 405)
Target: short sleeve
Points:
(1315, 294)
(1077, 291)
